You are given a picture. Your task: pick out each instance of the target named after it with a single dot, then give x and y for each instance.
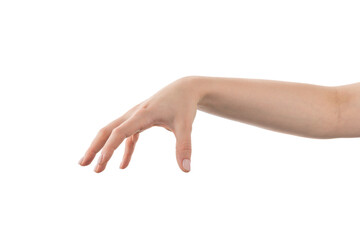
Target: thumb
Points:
(183, 147)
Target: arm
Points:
(295, 108)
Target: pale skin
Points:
(300, 109)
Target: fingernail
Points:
(97, 168)
(186, 164)
(100, 159)
(80, 162)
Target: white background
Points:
(67, 68)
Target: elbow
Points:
(347, 105)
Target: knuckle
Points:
(119, 132)
(185, 146)
(107, 150)
(144, 105)
(143, 111)
(103, 132)
(145, 118)
(184, 152)
(136, 108)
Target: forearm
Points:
(294, 108)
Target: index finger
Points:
(131, 126)
(101, 137)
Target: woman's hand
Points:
(293, 108)
(173, 107)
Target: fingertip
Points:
(84, 162)
(80, 161)
(186, 165)
(184, 170)
(98, 169)
(123, 165)
(87, 159)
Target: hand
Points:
(173, 107)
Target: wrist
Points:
(196, 86)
